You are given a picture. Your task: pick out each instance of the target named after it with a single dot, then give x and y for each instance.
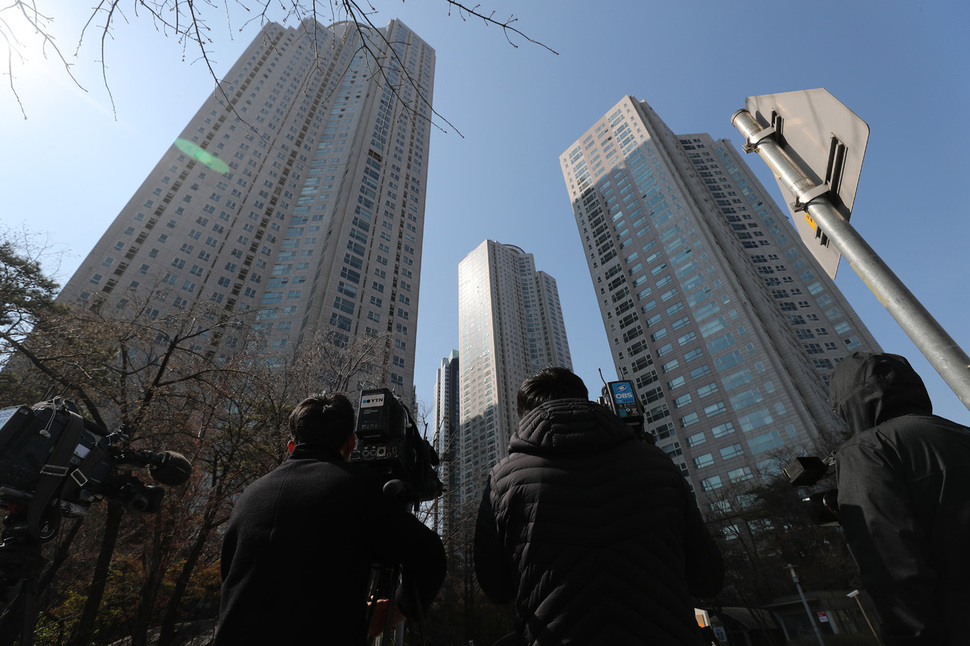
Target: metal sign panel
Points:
(828, 141)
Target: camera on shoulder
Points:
(388, 442)
(822, 507)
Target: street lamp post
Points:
(855, 595)
(808, 611)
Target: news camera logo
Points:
(623, 393)
(375, 400)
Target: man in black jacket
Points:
(299, 547)
(904, 500)
(594, 533)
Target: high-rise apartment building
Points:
(510, 326)
(445, 425)
(712, 306)
(296, 191)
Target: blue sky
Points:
(903, 67)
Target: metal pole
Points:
(937, 346)
(808, 611)
(855, 595)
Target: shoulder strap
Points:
(53, 473)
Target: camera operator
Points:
(594, 533)
(904, 499)
(298, 551)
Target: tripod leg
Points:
(388, 593)
(30, 612)
(417, 622)
(12, 620)
(19, 618)
(380, 602)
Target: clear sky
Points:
(903, 67)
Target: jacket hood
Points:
(868, 389)
(568, 426)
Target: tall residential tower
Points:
(445, 425)
(296, 191)
(510, 326)
(711, 304)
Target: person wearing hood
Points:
(592, 532)
(904, 499)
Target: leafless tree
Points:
(194, 25)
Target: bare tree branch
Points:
(40, 23)
(185, 20)
(505, 25)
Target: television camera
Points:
(823, 506)
(621, 398)
(388, 441)
(55, 463)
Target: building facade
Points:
(445, 425)
(713, 308)
(510, 326)
(296, 193)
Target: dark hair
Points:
(546, 385)
(325, 420)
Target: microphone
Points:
(170, 468)
(394, 488)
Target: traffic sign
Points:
(828, 142)
(812, 112)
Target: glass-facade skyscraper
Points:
(510, 326)
(712, 306)
(445, 424)
(297, 190)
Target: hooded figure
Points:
(904, 499)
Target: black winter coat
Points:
(904, 500)
(299, 547)
(593, 533)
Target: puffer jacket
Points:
(904, 500)
(593, 533)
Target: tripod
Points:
(384, 583)
(20, 565)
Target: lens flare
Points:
(206, 158)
